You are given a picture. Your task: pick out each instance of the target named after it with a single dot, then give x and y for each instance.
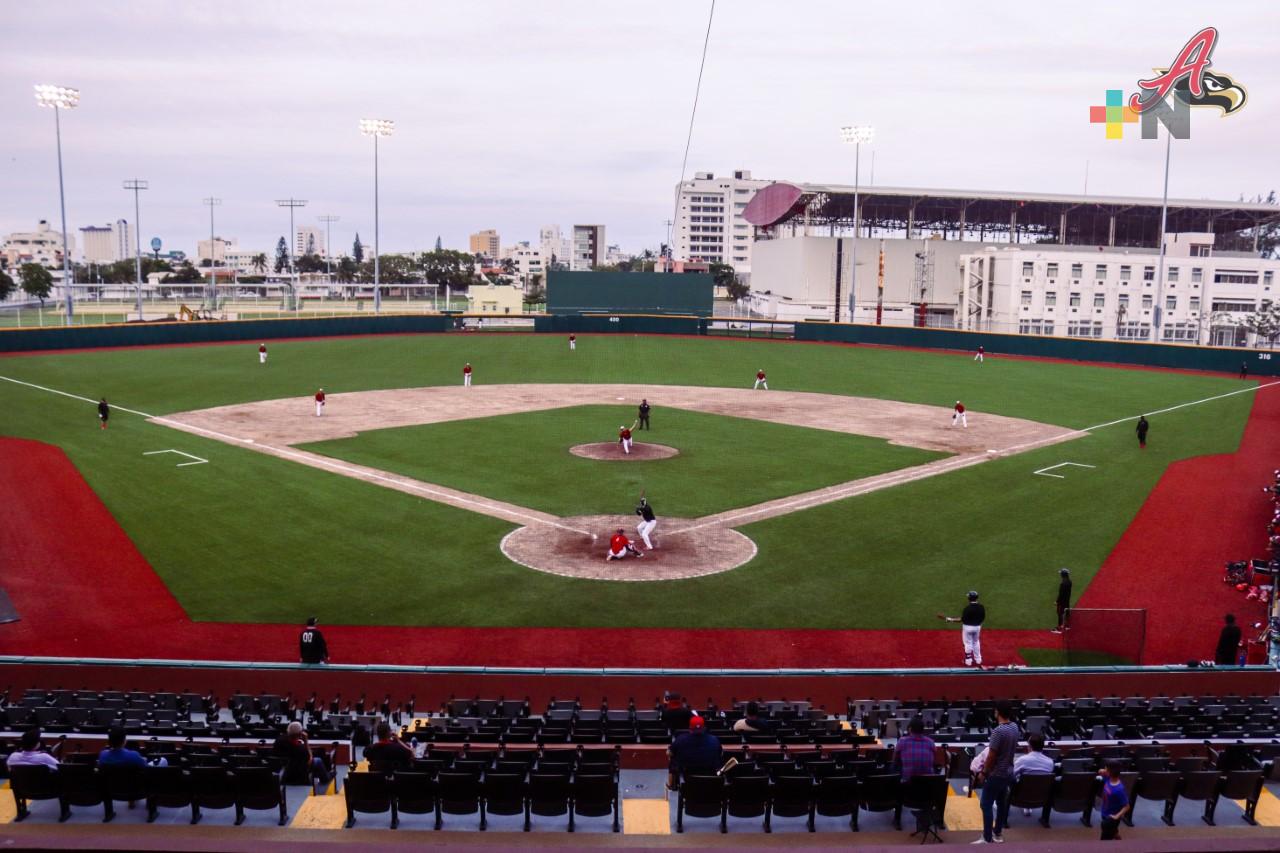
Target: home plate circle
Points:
(568, 550)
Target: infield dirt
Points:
(563, 546)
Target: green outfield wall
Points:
(629, 293)
(1221, 359)
(213, 331)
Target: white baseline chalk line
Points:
(310, 458)
(415, 484)
(198, 460)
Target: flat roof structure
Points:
(1022, 217)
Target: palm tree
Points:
(259, 262)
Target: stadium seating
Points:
(497, 757)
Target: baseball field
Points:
(838, 512)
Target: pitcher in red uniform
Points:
(624, 438)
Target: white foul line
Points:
(422, 487)
(311, 459)
(198, 461)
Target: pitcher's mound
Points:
(611, 451)
(681, 552)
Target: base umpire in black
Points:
(644, 414)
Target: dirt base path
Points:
(563, 546)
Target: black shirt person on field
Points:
(1141, 430)
(1244, 370)
(311, 644)
(644, 414)
(1228, 651)
(104, 412)
(1064, 599)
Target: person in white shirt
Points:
(29, 753)
(1033, 762)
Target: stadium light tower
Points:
(137, 185)
(213, 256)
(61, 98)
(376, 127)
(855, 135)
(293, 204)
(328, 219)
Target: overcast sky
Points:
(511, 115)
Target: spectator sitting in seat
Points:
(753, 723)
(695, 751)
(300, 765)
(915, 753)
(1033, 762)
(116, 755)
(29, 753)
(675, 713)
(389, 750)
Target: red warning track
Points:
(83, 589)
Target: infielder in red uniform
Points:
(958, 416)
(624, 438)
(262, 353)
(320, 402)
(620, 546)
(760, 380)
(981, 355)
(466, 375)
(573, 343)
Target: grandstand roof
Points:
(1064, 218)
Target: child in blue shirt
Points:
(1115, 802)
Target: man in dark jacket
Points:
(1228, 651)
(1064, 600)
(311, 645)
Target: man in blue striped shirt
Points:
(998, 775)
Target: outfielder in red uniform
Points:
(981, 355)
(262, 353)
(620, 546)
(624, 438)
(760, 380)
(466, 375)
(320, 402)
(573, 343)
(958, 415)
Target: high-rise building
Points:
(308, 240)
(588, 247)
(97, 244)
(709, 226)
(106, 244)
(486, 243)
(554, 246)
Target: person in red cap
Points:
(320, 402)
(262, 353)
(573, 343)
(760, 380)
(466, 375)
(958, 415)
(696, 751)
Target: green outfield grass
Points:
(724, 462)
(255, 538)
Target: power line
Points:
(697, 90)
